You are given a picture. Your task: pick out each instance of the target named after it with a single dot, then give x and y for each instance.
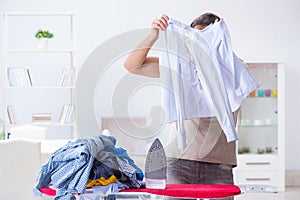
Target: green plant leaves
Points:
(43, 34)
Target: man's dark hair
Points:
(205, 20)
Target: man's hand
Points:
(160, 23)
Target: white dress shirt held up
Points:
(204, 77)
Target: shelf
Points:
(245, 155)
(23, 97)
(41, 124)
(256, 126)
(275, 97)
(41, 88)
(41, 51)
(251, 154)
(38, 14)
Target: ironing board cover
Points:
(193, 190)
(181, 190)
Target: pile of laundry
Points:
(87, 162)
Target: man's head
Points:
(204, 20)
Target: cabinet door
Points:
(257, 178)
(258, 117)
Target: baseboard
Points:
(292, 178)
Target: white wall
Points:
(264, 31)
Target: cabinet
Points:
(34, 92)
(261, 129)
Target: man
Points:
(208, 158)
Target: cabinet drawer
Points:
(259, 178)
(257, 163)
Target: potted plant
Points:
(43, 36)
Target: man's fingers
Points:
(161, 23)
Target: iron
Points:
(156, 166)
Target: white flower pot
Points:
(42, 43)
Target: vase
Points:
(42, 43)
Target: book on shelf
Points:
(69, 116)
(66, 114)
(63, 114)
(19, 77)
(66, 77)
(41, 117)
(28, 78)
(11, 114)
(61, 77)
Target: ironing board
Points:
(198, 191)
